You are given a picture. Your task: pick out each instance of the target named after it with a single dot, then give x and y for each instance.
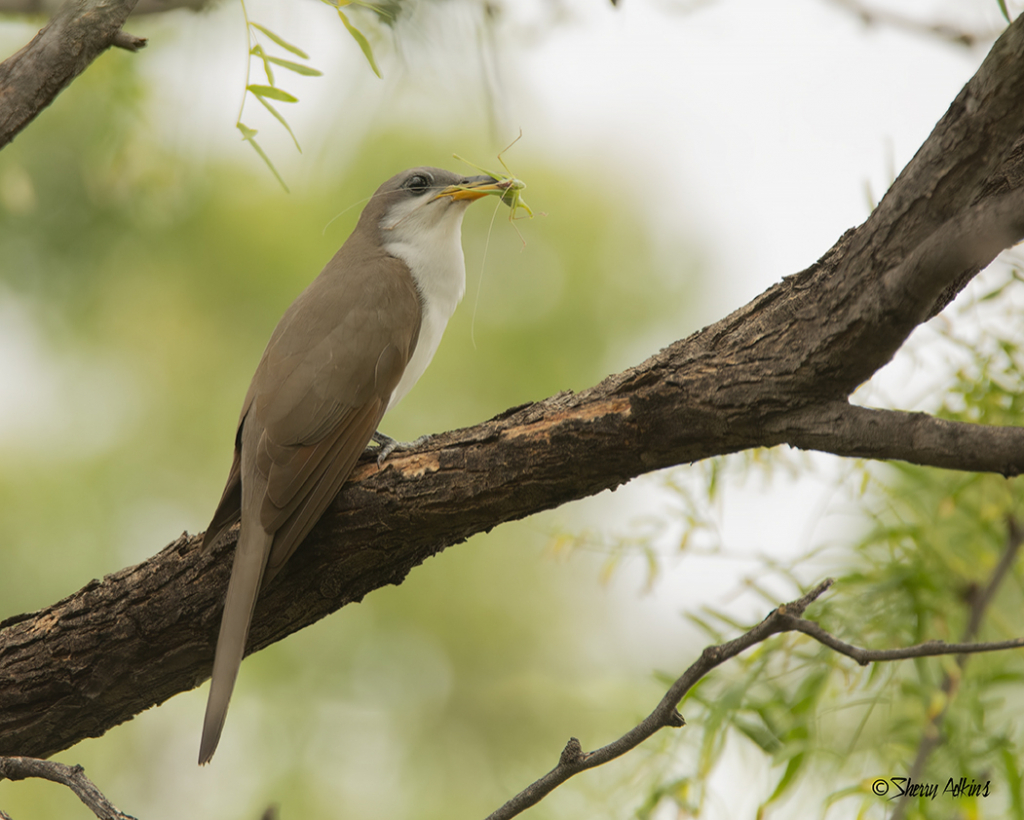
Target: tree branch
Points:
(46, 7)
(573, 760)
(129, 42)
(928, 649)
(76, 35)
(20, 768)
(786, 618)
(945, 31)
(965, 148)
(862, 432)
(968, 241)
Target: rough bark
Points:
(76, 35)
(778, 370)
(48, 7)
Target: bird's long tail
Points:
(246, 576)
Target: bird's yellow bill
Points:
(478, 190)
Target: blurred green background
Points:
(139, 283)
(146, 255)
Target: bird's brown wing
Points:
(333, 459)
(321, 389)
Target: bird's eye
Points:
(418, 183)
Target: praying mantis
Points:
(513, 187)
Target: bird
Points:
(344, 353)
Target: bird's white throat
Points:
(427, 236)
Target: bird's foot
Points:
(387, 445)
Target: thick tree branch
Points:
(861, 432)
(76, 35)
(968, 241)
(965, 148)
(786, 618)
(972, 144)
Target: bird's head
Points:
(427, 199)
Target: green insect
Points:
(513, 187)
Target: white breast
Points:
(428, 238)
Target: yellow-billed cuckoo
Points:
(347, 350)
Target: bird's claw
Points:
(387, 445)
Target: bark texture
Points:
(778, 370)
(76, 35)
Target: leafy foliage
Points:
(932, 548)
(264, 93)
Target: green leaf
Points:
(760, 735)
(257, 51)
(364, 44)
(298, 52)
(385, 14)
(281, 120)
(271, 91)
(248, 134)
(1002, 8)
(298, 68)
(788, 778)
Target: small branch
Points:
(573, 760)
(862, 432)
(944, 31)
(1014, 539)
(786, 618)
(922, 650)
(20, 768)
(129, 42)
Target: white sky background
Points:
(755, 127)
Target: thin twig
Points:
(944, 31)
(20, 768)
(574, 760)
(786, 618)
(921, 650)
